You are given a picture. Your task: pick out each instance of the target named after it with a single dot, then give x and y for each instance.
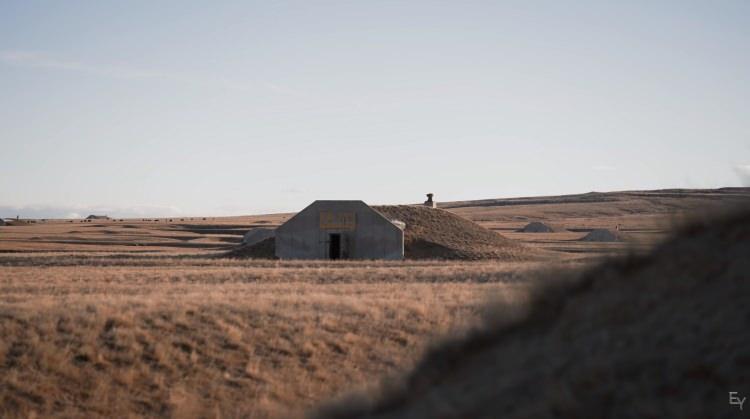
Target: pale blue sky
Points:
(245, 107)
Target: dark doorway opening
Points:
(334, 246)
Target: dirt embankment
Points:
(663, 335)
(264, 249)
(438, 234)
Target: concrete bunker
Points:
(339, 230)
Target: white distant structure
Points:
(429, 202)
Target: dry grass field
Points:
(137, 318)
(107, 336)
(192, 235)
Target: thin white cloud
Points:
(38, 60)
(32, 59)
(603, 168)
(80, 211)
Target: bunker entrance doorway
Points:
(334, 246)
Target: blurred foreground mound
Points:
(656, 336)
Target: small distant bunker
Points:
(429, 202)
(536, 227)
(339, 230)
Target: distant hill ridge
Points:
(591, 197)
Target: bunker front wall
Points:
(364, 233)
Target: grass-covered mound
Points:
(536, 227)
(433, 233)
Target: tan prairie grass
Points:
(202, 337)
(141, 318)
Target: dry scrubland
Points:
(139, 318)
(196, 337)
